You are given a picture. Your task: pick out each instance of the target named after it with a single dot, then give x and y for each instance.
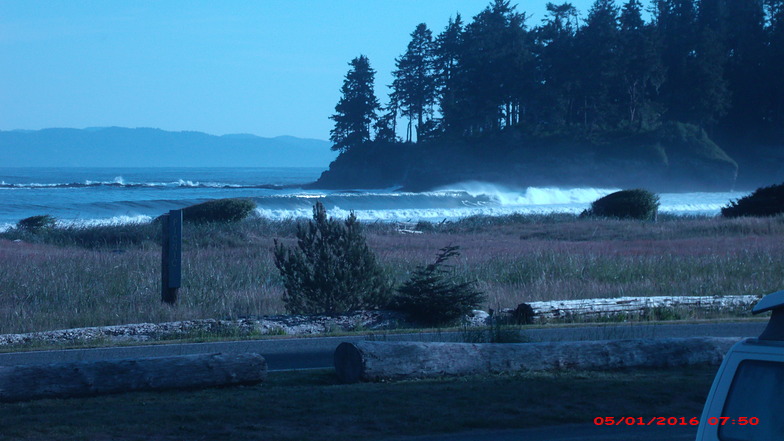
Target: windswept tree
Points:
(415, 83)
(356, 110)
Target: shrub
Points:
(432, 296)
(625, 204)
(765, 201)
(37, 223)
(331, 270)
(219, 210)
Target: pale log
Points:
(589, 308)
(373, 360)
(63, 380)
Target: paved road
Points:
(317, 352)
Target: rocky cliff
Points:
(676, 157)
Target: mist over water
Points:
(121, 196)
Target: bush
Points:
(37, 223)
(433, 297)
(219, 210)
(625, 204)
(331, 270)
(765, 201)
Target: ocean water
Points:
(88, 196)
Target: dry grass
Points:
(60, 282)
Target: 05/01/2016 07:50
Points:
(673, 421)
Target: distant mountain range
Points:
(144, 147)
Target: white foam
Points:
(532, 195)
(112, 221)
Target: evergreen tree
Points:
(676, 26)
(709, 95)
(598, 45)
(774, 71)
(446, 52)
(496, 68)
(713, 63)
(331, 270)
(746, 44)
(641, 69)
(558, 76)
(415, 81)
(356, 110)
(386, 125)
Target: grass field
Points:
(110, 275)
(74, 277)
(310, 405)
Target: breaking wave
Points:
(112, 199)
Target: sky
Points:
(265, 67)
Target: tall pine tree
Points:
(558, 77)
(745, 72)
(676, 25)
(708, 95)
(774, 71)
(598, 45)
(641, 70)
(356, 110)
(496, 69)
(446, 52)
(415, 82)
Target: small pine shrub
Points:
(625, 204)
(38, 223)
(219, 210)
(765, 201)
(432, 296)
(331, 270)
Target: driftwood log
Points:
(592, 308)
(64, 380)
(373, 361)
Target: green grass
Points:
(77, 277)
(311, 405)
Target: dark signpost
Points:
(171, 262)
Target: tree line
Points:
(718, 64)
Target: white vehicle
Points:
(746, 401)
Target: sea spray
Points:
(507, 196)
(115, 196)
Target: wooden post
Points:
(171, 256)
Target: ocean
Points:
(99, 196)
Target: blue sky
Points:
(265, 67)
